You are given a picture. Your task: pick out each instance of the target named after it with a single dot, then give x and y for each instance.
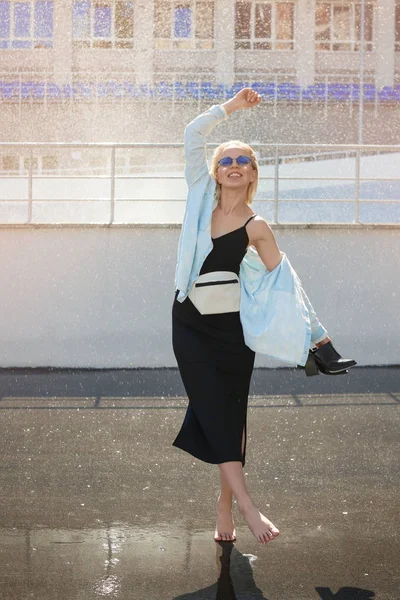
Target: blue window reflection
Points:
(183, 22)
(22, 19)
(80, 20)
(43, 19)
(22, 44)
(102, 21)
(29, 24)
(4, 19)
(99, 22)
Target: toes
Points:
(266, 537)
(274, 533)
(225, 537)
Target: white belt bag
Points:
(216, 292)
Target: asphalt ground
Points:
(96, 503)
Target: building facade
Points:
(137, 71)
(223, 38)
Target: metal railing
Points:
(296, 178)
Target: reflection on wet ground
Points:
(96, 503)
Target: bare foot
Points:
(225, 528)
(260, 526)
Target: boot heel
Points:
(311, 366)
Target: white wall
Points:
(101, 296)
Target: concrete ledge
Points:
(357, 226)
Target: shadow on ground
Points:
(236, 581)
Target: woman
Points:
(236, 294)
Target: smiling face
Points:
(235, 176)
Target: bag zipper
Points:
(215, 282)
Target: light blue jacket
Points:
(275, 312)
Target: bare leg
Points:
(225, 528)
(259, 525)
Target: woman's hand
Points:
(246, 98)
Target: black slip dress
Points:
(215, 365)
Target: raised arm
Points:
(197, 130)
(195, 142)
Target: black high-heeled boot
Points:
(311, 366)
(330, 362)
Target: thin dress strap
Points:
(252, 217)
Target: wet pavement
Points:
(96, 503)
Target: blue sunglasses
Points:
(227, 161)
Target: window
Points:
(10, 165)
(49, 164)
(338, 25)
(26, 24)
(264, 25)
(397, 27)
(184, 24)
(102, 24)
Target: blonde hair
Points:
(252, 189)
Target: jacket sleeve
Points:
(318, 331)
(195, 142)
